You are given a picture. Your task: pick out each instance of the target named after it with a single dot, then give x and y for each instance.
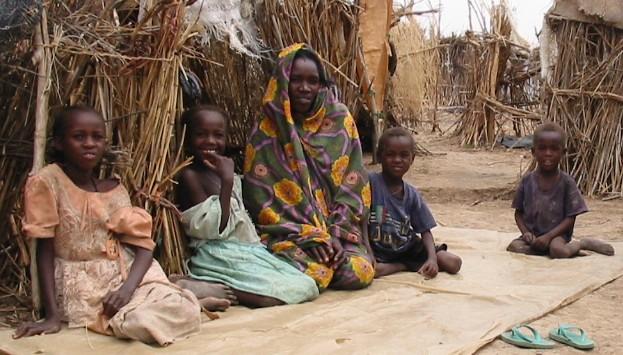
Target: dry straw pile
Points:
(140, 67)
(584, 95)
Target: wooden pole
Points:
(42, 58)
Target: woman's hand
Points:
(48, 326)
(222, 166)
(322, 253)
(115, 300)
(338, 254)
(430, 268)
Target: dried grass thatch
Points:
(584, 94)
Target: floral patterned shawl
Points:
(304, 183)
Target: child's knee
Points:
(559, 252)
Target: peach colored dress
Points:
(91, 231)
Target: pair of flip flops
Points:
(568, 334)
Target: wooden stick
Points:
(42, 58)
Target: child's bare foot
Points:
(204, 289)
(597, 246)
(384, 269)
(214, 304)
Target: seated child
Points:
(400, 221)
(94, 250)
(547, 202)
(226, 247)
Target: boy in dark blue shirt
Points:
(400, 221)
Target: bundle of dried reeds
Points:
(413, 87)
(585, 96)
(486, 113)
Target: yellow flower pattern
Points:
(271, 91)
(338, 169)
(362, 268)
(249, 157)
(283, 246)
(322, 202)
(289, 150)
(313, 124)
(288, 192)
(288, 111)
(366, 195)
(351, 127)
(268, 126)
(320, 273)
(268, 216)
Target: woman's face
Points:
(304, 85)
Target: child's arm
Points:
(224, 168)
(542, 241)
(526, 234)
(115, 300)
(45, 266)
(430, 267)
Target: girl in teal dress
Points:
(226, 249)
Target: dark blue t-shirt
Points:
(395, 224)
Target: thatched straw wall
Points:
(584, 94)
(131, 65)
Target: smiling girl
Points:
(94, 250)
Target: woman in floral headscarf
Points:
(305, 184)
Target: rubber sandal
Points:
(572, 335)
(517, 338)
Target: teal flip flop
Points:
(534, 341)
(572, 335)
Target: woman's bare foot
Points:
(204, 289)
(214, 304)
(384, 269)
(597, 246)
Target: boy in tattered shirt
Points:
(547, 202)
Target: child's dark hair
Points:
(549, 127)
(393, 133)
(189, 117)
(308, 54)
(61, 118)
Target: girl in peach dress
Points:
(94, 250)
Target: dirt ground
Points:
(472, 188)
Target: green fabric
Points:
(304, 181)
(235, 257)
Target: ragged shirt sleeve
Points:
(518, 200)
(202, 221)
(41, 209)
(132, 225)
(574, 202)
(422, 218)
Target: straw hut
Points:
(581, 46)
(140, 63)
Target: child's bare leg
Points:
(521, 247)
(559, 248)
(597, 246)
(384, 269)
(448, 262)
(252, 300)
(214, 304)
(204, 289)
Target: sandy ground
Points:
(473, 189)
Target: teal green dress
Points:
(236, 257)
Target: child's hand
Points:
(528, 237)
(222, 166)
(115, 300)
(430, 268)
(540, 244)
(48, 326)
